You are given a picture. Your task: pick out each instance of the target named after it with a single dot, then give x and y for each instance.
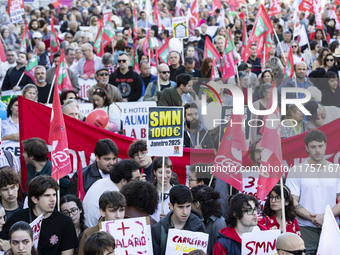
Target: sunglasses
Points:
(329, 59)
(69, 37)
(296, 252)
(121, 60)
(165, 72)
(294, 46)
(103, 74)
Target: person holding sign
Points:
(272, 211)
(181, 217)
(240, 218)
(21, 239)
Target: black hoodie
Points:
(194, 223)
(129, 84)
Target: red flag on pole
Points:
(272, 153)
(178, 9)
(210, 51)
(56, 4)
(164, 51)
(275, 8)
(155, 14)
(289, 66)
(80, 184)
(3, 57)
(317, 12)
(193, 17)
(245, 52)
(229, 155)
(61, 163)
(216, 5)
(53, 39)
(98, 43)
(62, 79)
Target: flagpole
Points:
(19, 80)
(283, 226)
(162, 195)
(211, 179)
(277, 38)
(58, 192)
(49, 94)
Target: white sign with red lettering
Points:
(36, 226)
(182, 242)
(132, 235)
(106, 15)
(16, 10)
(260, 242)
(85, 85)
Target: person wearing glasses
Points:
(102, 78)
(241, 217)
(87, 65)
(123, 172)
(71, 206)
(128, 82)
(272, 211)
(297, 55)
(290, 243)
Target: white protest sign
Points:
(84, 86)
(16, 10)
(183, 241)
(12, 146)
(180, 27)
(36, 226)
(131, 236)
(85, 108)
(135, 118)
(165, 131)
(260, 242)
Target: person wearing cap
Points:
(87, 65)
(336, 67)
(51, 72)
(313, 189)
(126, 79)
(321, 115)
(36, 37)
(102, 78)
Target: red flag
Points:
(272, 153)
(56, 4)
(193, 17)
(210, 51)
(155, 14)
(227, 66)
(3, 57)
(27, 33)
(335, 16)
(245, 51)
(80, 184)
(100, 23)
(53, 39)
(146, 44)
(229, 155)
(61, 163)
(163, 27)
(216, 5)
(337, 2)
(275, 8)
(214, 72)
(306, 5)
(289, 66)
(135, 23)
(164, 51)
(98, 44)
(62, 79)
(317, 12)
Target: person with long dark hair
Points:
(71, 206)
(205, 201)
(10, 126)
(21, 239)
(272, 211)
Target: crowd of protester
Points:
(116, 189)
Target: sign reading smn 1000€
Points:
(165, 131)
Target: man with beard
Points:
(106, 152)
(43, 87)
(195, 136)
(241, 218)
(314, 190)
(102, 78)
(14, 73)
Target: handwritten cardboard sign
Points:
(36, 227)
(182, 242)
(132, 236)
(260, 243)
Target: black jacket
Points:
(129, 84)
(194, 223)
(90, 175)
(197, 73)
(329, 98)
(12, 77)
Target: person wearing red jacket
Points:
(240, 218)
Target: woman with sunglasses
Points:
(320, 59)
(272, 211)
(102, 100)
(297, 56)
(156, 177)
(328, 61)
(71, 206)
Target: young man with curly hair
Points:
(240, 218)
(9, 186)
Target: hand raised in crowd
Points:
(16, 88)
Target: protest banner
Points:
(165, 131)
(260, 242)
(106, 15)
(182, 242)
(7, 95)
(180, 27)
(36, 227)
(131, 235)
(135, 118)
(12, 146)
(84, 86)
(16, 10)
